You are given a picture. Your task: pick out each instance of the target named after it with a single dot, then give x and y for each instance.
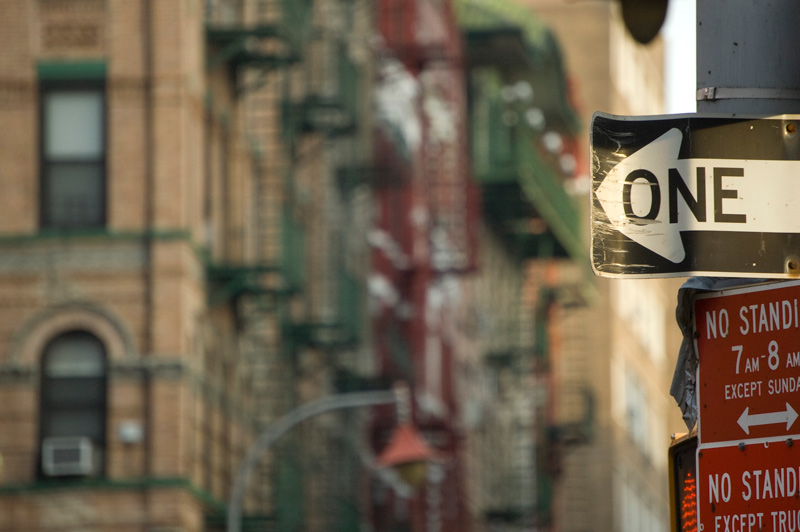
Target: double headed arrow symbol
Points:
(747, 420)
(652, 196)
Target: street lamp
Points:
(407, 452)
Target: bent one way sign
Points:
(679, 195)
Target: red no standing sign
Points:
(748, 465)
(748, 343)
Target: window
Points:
(636, 409)
(72, 155)
(637, 302)
(73, 391)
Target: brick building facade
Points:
(119, 376)
(215, 211)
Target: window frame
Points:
(49, 408)
(47, 220)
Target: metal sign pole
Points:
(747, 64)
(747, 57)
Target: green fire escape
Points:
(522, 127)
(289, 51)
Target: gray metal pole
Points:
(747, 57)
(281, 426)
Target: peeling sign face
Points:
(681, 195)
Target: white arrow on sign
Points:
(741, 195)
(747, 420)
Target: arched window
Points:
(73, 405)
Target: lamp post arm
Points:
(284, 424)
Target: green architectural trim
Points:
(107, 234)
(152, 483)
(171, 369)
(71, 70)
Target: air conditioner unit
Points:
(68, 456)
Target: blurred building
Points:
(524, 133)
(132, 367)
(623, 346)
(214, 211)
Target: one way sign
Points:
(681, 195)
